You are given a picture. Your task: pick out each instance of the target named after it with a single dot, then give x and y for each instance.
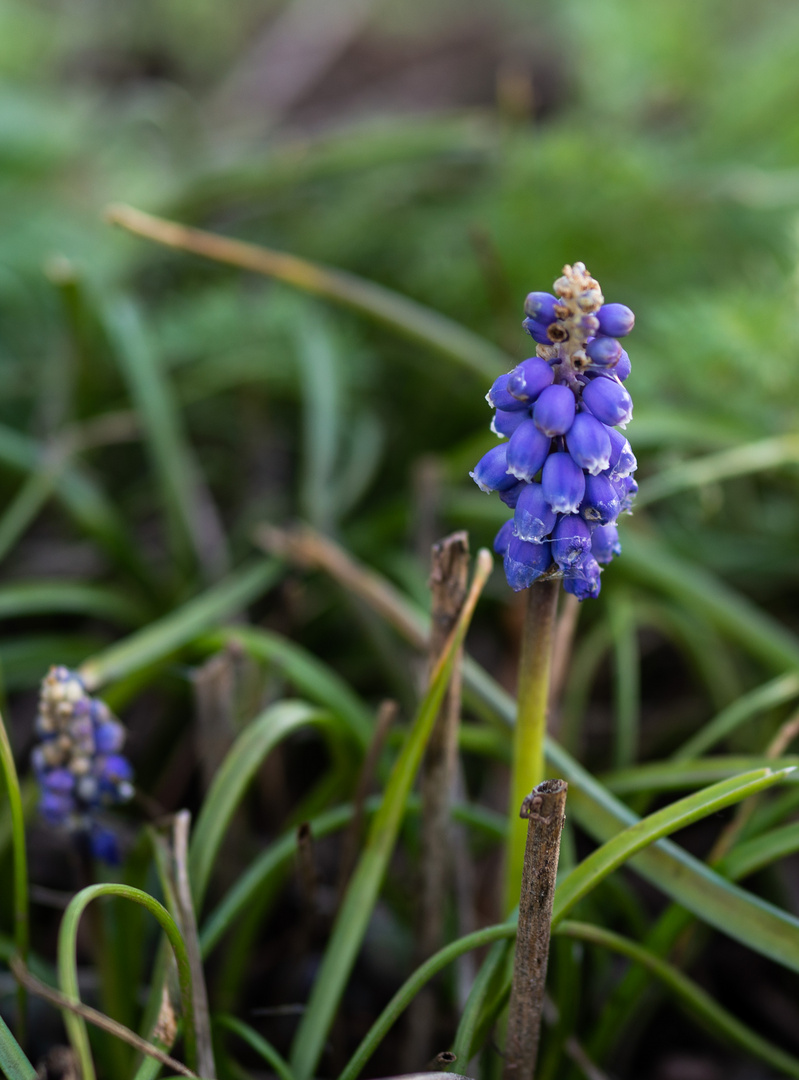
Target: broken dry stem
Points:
(449, 579)
(544, 808)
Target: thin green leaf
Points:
(24, 508)
(674, 775)
(68, 972)
(651, 562)
(279, 857)
(414, 983)
(160, 639)
(409, 318)
(698, 1004)
(20, 867)
(768, 696)
(752, 855)
(233, 778)
(310, 676)
(70, 597)
(364, 887)
(172, 457)
(13, 1063)
(257, 1043)
(735, 912)
(627, 679)
(322, 415)
(620, 848)
(712, 468)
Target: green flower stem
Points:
(20, 867)
(535, 662)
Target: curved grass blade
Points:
(752, 855)
(362, 893)
(279, 857)
(710, 469)
(736, 618)
(13, 1063)
(256, 1042)
(83, 500)
(20, 866)
(627, 680)
(409, 318)
(194, 532)
(162, 638)
(68, 973)
(70, 598)
(673, 775)
(699, 1004)
(613, 853)
(310, 676)
(746, 918)
(233, 778)
(414, 983)
(776, 692)
(24, 508)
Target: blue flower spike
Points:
(78, 761)
(569, 470)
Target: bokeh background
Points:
(459, 153)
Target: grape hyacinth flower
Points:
(78, 761)
(566, 470)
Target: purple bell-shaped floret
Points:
(527, 380)
(541, 307)
(554, 411)
(503, 538)
(527, 451)
(525, 562)
(582, 579)
(570, 540)
(601, 503)
(563, 483)
(605, 543)
(589, 443)
(604, 351)
(534, 518)
(505, 423)
(615, 320)
(491, 471)
(499, 398)
(609, 401)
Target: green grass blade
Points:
(164, 637)
(362, 893)
(699, 1004)
(649, 561)
(746, 918)
(68, 972)
(310, 676)
(776, 692)
(20, 864)
(414, 983)
(674, 775)
(397, 312)
(13, 1063)
(30, 598)
(24, 508)
(752, 855)
(710, 469)
(322, 419)
(280, 855)
(172, 458)
(233, 778)
(620, 848)
(626, 678)
(257, 1043)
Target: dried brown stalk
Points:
(544, 809)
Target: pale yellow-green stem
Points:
(535, 662)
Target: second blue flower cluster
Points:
(565, 471)
(77, 760)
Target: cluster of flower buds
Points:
(565, 471)
(77, 760)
